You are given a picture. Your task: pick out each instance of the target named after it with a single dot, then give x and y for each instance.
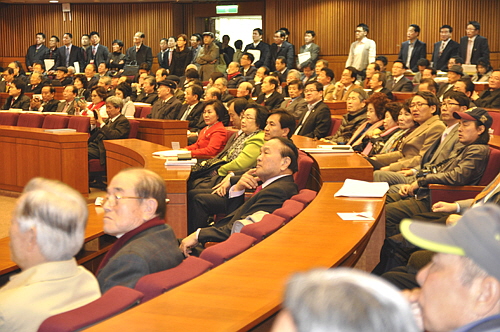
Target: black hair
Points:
(446, 26)
(125, 88)
(364, 26)
(250, 56)
(415, 27)
(286, 120)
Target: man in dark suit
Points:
(192, 110)
(489, 98)
(454, 74)
(134, 210)
(167, 106)
(68, 54)
(96, 53)
(310, 47)
(148, 94)
(413, 49)
(270, 97)
(473, 46)
(16, 98)
(315, 121)
(139, 53)
(275, 167)
(377, 84)
(36, 52)
(444, 49)
(48, 103)
(36, 84)
(398, 82)
(281, 47)
(295, 105)
(247, 69)
(68, 104)
(281, 69)
(261, 47)
(163, 55)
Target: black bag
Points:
(131, 69)
(206, 168)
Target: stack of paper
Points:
(174, 154)
(356, 188)
(185, 163)
(329, 149)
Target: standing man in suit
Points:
(68, 54)
(96, 53)
(398, 82)
(346, 83)
(275, 167)
(315, 121)
(167, 106)
(139, 53)
(295, 105)
(310, 47)
(270, 97)
(36, 52)
(444, 49)
(362, 51)
(281, 47)
(134, 211)
(413, 49)
(195, 47)
(162, 55)
(473, 46)
(261, 47)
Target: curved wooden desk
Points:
(245, 291)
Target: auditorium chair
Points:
(55, 122)
(224, 251)
(305, 196)
(31, 120)
(158, 283)
(146, 110)
(336, 122)
(302, 175)
(134, 128)
(8, 119)
(80, 123)
(289, 210)
(111, 303)
(269, 224)
(138, 110)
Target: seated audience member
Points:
(454, 74)
(212, 137)
(459, 287)
(91, 75)
(261, 73)
(371, 69)
(356, 114)
(275, 166)
(221, 84)
(484, 71)
(489, 98)
(315, 121)
(167, 106)
(213, 93)
(295, 105)
(17, 99)
(235, 109)
(424, 107)
(148, 94)
(293, 74)
(81, 83)
(244, 90)
(308, 74)
(68, 105)
(97, 106)
(346, 84)
(190, 76)
(8, 78)
(466, 86)
(342, 299)
(439, 150)
(192, 109)
(116, 126)
(36, 84)
(62, 78)
(281, 69)
(389, 139)
(134, 211)
(234, 77)
(105, 82)
(179, 92)
(248, 70)
(382, 62)
(398, 82)
(116, 59)
(375, 113)
(422, 64)
(320, 64)
(464, 166)
(161, 75)
(326, 78)
(19, 72)
(377, 83)
(50, 282)
(137, 88)
(48, 103)
(124, 91)
(270, 97)
(428, 84)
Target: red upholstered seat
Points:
(146, 110)
(289, 210)
(138, 110)
(305, 196)
(80, 123)
(30, 120)
(55, 122)
(267, 226)
(134, 128)
(221, 252)
(305, 165)
(111, 303)
(492, 167)
(158, 283)
(8, 119)
(336, 122)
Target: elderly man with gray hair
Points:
(47, 231)
(343, 300)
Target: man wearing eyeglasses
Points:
(315, 121)
(489, 98)
(134, 212)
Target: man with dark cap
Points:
(167, 106)
(208, 56)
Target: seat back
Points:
(305, 196)
(31, 120)
(158, 283)
(289, 210)
(492, 167)
(301, 176)
(134, 128)
(138, 110)
(336, 122)
(111, 303)
(269, 224)
(8, 118)
(80, 123)
(221, 252)
(146, 110)
(52, 121)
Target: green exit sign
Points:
(228, 9)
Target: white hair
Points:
(59, 215)
(346, 300)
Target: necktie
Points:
(441, 48)
(65, 109)
(289, 102)
(67, 56)
(93, 50)
(470, 45)
(297, 131)
(259, 188)
(186, 114)
(170, 57)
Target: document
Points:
(256, 55)
(175, 154)
(49, 63)
(329, 149)
(356, 216)
(356, 188)
(303, 57)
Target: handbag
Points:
(205, 168)
(131, 69)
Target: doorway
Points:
(236, 27)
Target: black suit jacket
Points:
(274, 100)
(264, 53)
(387, 92)
(101, 54)
(163, 60)
(318, 123)
(120, 128)
(285, 50)
(75, 55)
(22, 102)
(419, 51)
(194, 116)
(479, 50)
(51, 106)
(146, 98)
(144, 55)
(168, 110)
(33, 54)
(268, 199)
(441, 62)
(403, 85)
(250, 73)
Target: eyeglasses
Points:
(113, 199)
(448, 104)
(417, 105)
(310, 90)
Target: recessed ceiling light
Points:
(54, 1)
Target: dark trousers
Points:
(398, 208)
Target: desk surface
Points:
(244, 291)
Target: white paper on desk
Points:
(356, 216)
(303, 57)
(330, 149)
(356, 188)
(168, 153)
(188, 163)
(256, 55)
